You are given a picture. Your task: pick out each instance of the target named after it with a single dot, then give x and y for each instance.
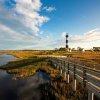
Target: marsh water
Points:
(22, 89)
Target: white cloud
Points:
(28, 11)
(92, 35)
(29, 4)
(86, 40)
(9, 34)
(49, 9)
(20, 25)
(63, 34)
(10, 39)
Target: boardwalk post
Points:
(58, 64)
(84, 77)
(68, 72)
(90, 95)
(68, 78)
(90, 78)
(65, 75)
(84, 82)
(55, 65)
(61, 71)
(65, 70)
(74, 77)
(75, 85)
(61, 67)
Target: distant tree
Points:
(56, 48)
(80, 49)
(96, 48)
(73, 49)
(62, 49)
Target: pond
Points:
(4, 59)
(22, 89)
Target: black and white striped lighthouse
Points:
(67, 41)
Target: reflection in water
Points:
(2, 73)
(4, 59)
(22, 89)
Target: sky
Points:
(43, 24)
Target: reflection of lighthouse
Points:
(67, 41)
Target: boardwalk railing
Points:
(88, 77)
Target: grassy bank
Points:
(29, 66)
(90, 58)
(56, 89)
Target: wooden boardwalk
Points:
(88, 77)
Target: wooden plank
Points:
(93, 73)
(92, 76)
(93, 89)
(93, 80)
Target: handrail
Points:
(91, 76)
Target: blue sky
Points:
(42, 24)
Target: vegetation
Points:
(29, 62)
(88, 58)
(29, 66)
(56, 89)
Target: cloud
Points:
(10, 39)
(24, 89)
(89, 36)
(63, 34)
(86, 40)
(49, 9)
(20, 24)
(12, 35)
(28, 11)
(24, 14)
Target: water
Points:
(4, 59)
(22, 89)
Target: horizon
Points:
(42, 24)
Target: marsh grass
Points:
(30, 62)
(29, 66)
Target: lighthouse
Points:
(67, 41)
